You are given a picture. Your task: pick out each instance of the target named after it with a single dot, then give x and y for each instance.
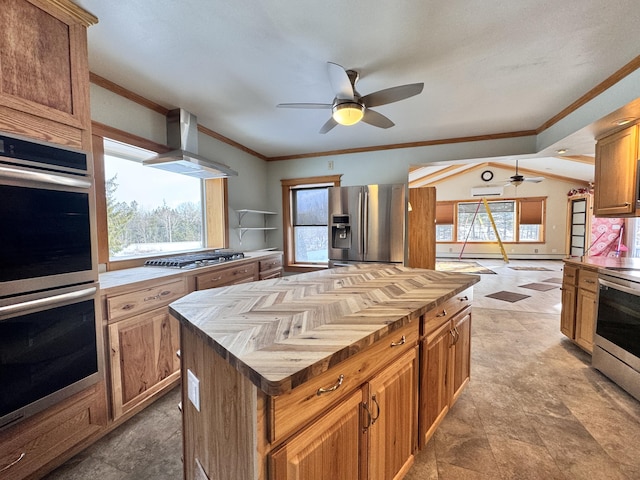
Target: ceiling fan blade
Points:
(534, 179)
(328, 125)
(376, 119)
(304, 105)
(393, 94)
(340, 81)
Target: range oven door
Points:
(45, 240)
(49, 349)
(617, 339)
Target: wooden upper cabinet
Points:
(44, 72)
(616, 190)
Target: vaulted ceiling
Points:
(488, 66)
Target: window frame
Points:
(288, 236)
(215, 193)
(518, 202)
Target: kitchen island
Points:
(321, 375)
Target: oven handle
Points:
(622, 288)
(43, 302)
(43, 177)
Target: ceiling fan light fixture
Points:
(348, 113)
(516, 182)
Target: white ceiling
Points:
(489, 66)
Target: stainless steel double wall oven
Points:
(49, 339)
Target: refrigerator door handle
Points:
(365, 225)
(360, 222)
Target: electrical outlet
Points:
(193, 389)
(330, 164)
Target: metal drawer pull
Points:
(443, 314)
(377, 416)
(589, 281)
(402, 341)
(463, 299)
(332, 388)
(22, 455)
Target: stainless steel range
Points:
(194, 260)
(616, 351)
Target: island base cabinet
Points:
(392, 403)
(328, 448)
(444, 371)
(369, 435)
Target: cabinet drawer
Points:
(128, 304)
(29, 446)
(275, 273)
(290, 411)
(588, 280)
(443, 313)
(570, 275)
(270, 263)
(227, 276)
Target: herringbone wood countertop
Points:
(283, 332)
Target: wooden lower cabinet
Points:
(445, 370)
(434, 394)
(143, 358)
(329, 448)
(579, 304)
(392, 403)
(586, 310)
(44, 441)
(461, 354)
(370, 435)
(568, 313)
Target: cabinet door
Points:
(586, 318)
(434, 394)
(392, 398)
(143, 357)
(461, 353)
(568, 314)
(328, 448)
(44, 87)
(615, 175)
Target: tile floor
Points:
(534, 408)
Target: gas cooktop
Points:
(194, 260)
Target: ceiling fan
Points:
(517, 179)
(349, 107)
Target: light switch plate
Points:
(193, 389)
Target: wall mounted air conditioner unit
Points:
(488, 191)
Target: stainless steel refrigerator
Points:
(367, 224)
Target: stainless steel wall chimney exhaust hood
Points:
(182, 135)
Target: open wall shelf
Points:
(242, 230)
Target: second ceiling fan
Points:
(349, 107)
(517, 179)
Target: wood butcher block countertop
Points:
(281, 333)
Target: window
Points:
(305, 217)
(310, 231)
(149, 211)
(516, 221)
(474, 224)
